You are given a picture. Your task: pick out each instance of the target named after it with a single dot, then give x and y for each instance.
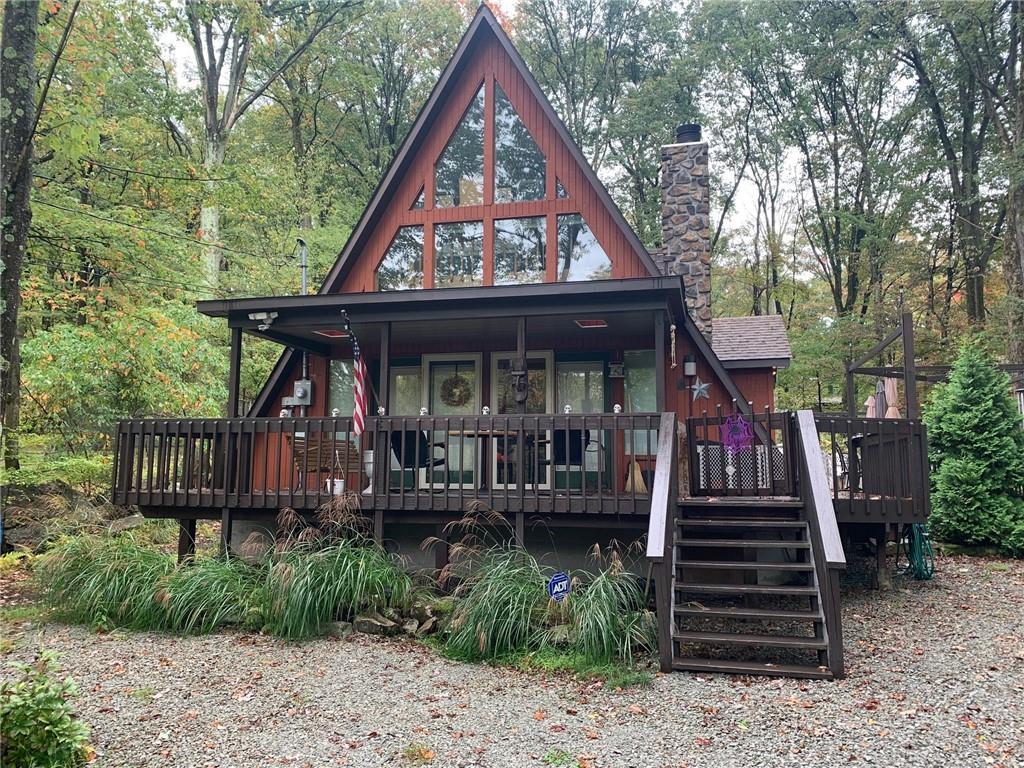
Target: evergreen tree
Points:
(976, 446)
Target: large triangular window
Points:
(519, 167)
(580, 256)
(459, 174)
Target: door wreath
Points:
(456, 391)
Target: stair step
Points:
(744, 589)
(765, 641)
(745, 566)
(729, 612)
(690, 664)
(739, 522)
(767, 502)
(744, 543)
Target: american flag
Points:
(359, 394)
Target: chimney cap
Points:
(688, 133)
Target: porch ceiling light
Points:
(591, 323)
(332, 333)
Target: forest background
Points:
(866, 159)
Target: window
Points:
(641, 397)
(406, 391)
(560, 192)
(580, 256)
(580, 385)
(520, 252)
(459, 174)
(417, 204)
(459, 254)
(402, 267)
(519, 172)
(340, 388)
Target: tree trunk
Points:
(1013, 272)
(209, 214)
(18, 76)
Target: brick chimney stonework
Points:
(686, 225)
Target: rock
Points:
(427, 627)
(339, 629)
(421, 610)
(410, 626)
(375, 624)
(443, 606)
(127, 523)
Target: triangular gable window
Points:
(580, 256)
(402, 266)
(418, 202)
(519, 167)
(459, 174)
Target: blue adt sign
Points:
(559, 587)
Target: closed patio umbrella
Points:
(892, 398)
(869, 406)
(881, 401)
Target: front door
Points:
(452, 388)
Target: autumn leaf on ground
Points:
(539, 715)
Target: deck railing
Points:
(567, 463)
(757, 462)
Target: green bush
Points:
(500, 609)
(503, 610)
(211, 592)
(308, 586)
(976, 447)
(39, 726)
(99, 580)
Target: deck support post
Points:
(186, 539)
(234, 372)
(378, 526)
(883, 579)
(521, 529)
(909, 367)
(226, 519)
(441, 551)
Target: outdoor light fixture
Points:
(591, 323)
(266, 319)
(689, 365)
(332, 333)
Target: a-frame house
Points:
(526, 352)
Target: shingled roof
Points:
(751, 342)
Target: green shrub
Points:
(308, 586)
(38, 724)
(101, 581)
(499, 610)
(976, 447)
(608, 616)
(211, 592)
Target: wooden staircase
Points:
(748, 584)
(746, 594)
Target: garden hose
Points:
(917, 546)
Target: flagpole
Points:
(357, 353)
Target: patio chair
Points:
(413, 450)
(568, 448)
(323, 452)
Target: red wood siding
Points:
(487, 63)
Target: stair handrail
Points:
(823, 526)
(660, 544)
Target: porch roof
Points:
(299, 318)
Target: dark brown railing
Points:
(572, 463)
(760, 465)
(877, 469)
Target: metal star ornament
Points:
(701, 389)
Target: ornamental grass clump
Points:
(212, 592)
(500, 609)
(309, 586)
(607, 615)
(105, 581)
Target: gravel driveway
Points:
(936, 678)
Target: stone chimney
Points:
(686, 220)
